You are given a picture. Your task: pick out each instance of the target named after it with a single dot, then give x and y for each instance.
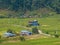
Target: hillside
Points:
(28, 8)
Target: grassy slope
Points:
(42, 41)
(53, 23)
(47, 24)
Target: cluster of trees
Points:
(30, 5)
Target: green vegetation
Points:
(42, 41)
(14, 17)
(35, 30)
(28, 8)
(49, 24)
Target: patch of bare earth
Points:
(37, 36)
(12, 41)
(56, 42)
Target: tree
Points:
(35, 30)
(9, 31)
(30, 5)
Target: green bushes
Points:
(1, 40)
(22, 38)
(57, 36)
(35, 30)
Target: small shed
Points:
(25, 33)
(8, 35)
(33, 23)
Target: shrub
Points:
(47, 32)
(56, 35)
(9, 31)
(35, 30)
(1, 40)
(22, 38)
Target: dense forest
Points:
(28, 8)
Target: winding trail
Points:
(22, 26)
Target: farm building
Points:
(33, 23)
(8, 34)
(25, 33)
